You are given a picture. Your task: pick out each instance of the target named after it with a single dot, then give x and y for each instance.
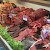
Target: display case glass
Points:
(42, 2)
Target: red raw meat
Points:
(24, 34)
(16, 21)
(48, 48)
(8, 21)
(49, 36)
(39, 42)
(22, 8)
(33, 48)
(20, 38)
(27, 12)
(22, 14)
(34, 29)
(39, 23)
(17, 9)
(45, 41)
(39, 13)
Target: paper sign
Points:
(25, 18)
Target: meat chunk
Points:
(24, 34)
(39, 23)
(39, 13)
(16, 21)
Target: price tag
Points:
(48, 20)
(44, 34)
(25, 17)
(10, 15)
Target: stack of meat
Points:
(14, 16)
(25, 14)
(10, 13)
(41, 20)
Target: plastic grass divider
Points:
(14, 45)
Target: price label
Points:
(25, 17)
(10, 15)
(48, 20)
(44, 34)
